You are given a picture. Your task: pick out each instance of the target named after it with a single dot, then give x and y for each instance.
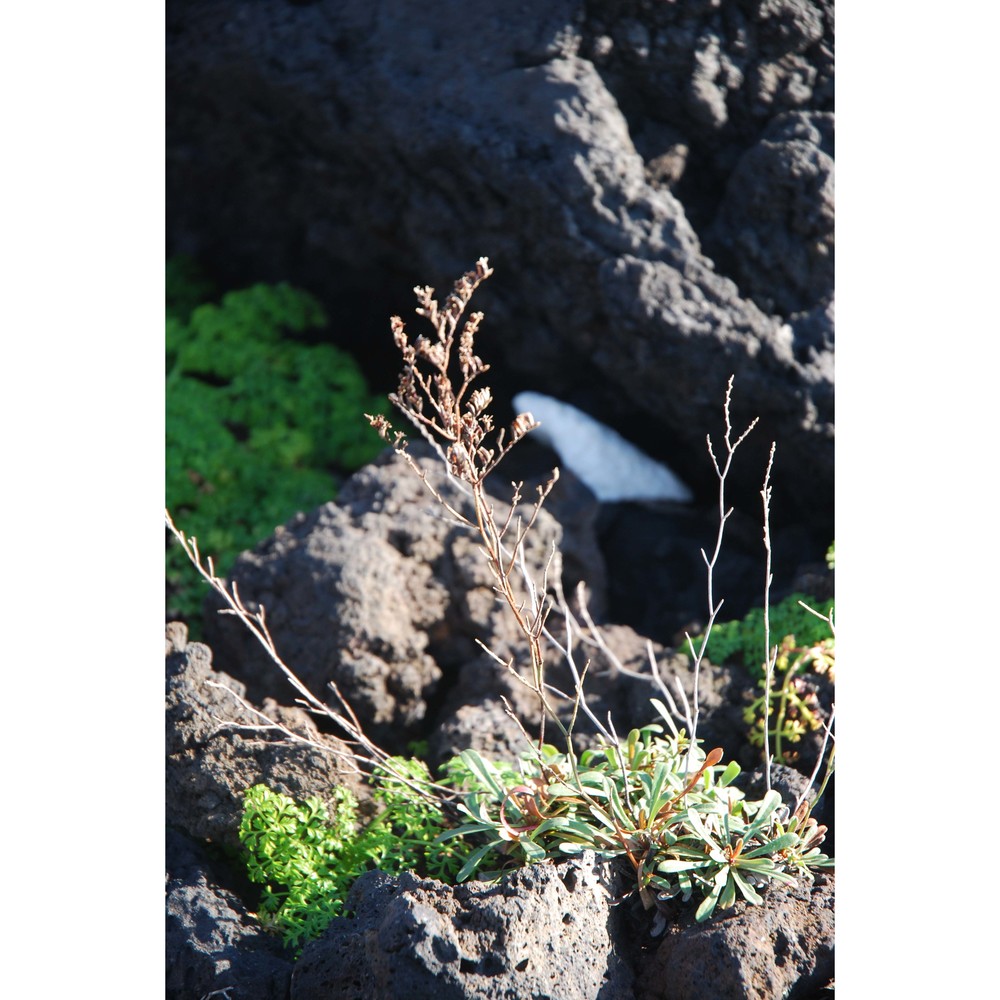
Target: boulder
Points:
(784, 948)
(380, 593)
(601, 155)
(543, 931)
(211, 761)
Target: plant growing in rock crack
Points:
(793, 707)
(307, 859)
(655, 798)
(661, 802)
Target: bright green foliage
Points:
(794, 706)
(307, 859)
(300, 854)
(259, 423)
(743, 641)
(685, 833)
(403, 836)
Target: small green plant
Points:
(307, 859)
(298, 853)
(684, 834)
(793, 708)
(259, 422)
(742, 641)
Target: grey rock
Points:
(211, 762)
(213, 944)
(360, 149)
(784, 948)
(546, 931)
(776, 222)
(379, 593)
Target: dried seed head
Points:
(481, 398)
(523, 423)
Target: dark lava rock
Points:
(601, 155)
(546, 931)
(784, 949)
(213, 943)
(211, 761)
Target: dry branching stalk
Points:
(770, 654)
(725, 513)
(458, 425)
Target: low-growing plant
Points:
(296, 850)
(683, 834)
(656, 799)
(793, 704)
(307, 859)
(260, 423)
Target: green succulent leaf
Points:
(781, 843)
(730, 774)
(475, 858)
(483, 771)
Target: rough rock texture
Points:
(776, 220)
(213, 942)
(382, 595)
(782, 949)
(599, 153)
(547, 931)
(359, 591)
(376, 593)
(210, 762)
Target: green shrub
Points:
(297, 851)
(260, 424)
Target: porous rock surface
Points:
(652, 181)
(213, 942)
(547, 931)
(784, 948)
(376, 593)
(211, 761)
(544, 931)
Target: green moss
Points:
(260, 423)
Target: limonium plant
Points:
(654, 800)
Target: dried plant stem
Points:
(770, 654)
(457, 424)
(725, 513)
